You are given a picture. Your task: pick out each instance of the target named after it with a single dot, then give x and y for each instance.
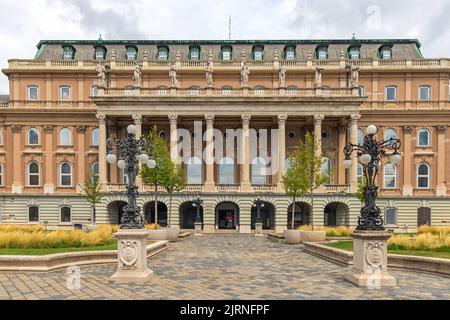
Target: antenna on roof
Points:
(229, 28)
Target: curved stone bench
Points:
(57, 261)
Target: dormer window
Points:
(100, 53)
(258, 53)
(289, 53)
(131, 53)
(194, 53)
(68, 53)
(163, 53)
(354, 53)
(322, 53)
(226, 53)
(386, 53)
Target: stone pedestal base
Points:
(258, 230)
(132, 256)
(370, 260)
(245, 229)
(198, 229)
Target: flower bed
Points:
(331, 231)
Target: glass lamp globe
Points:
(151, 164)
(347, 164)
(131, 129)
(365, 158)
(121, 164)
(111, 158)
(371, 130)
(143, 158)
(395, 158)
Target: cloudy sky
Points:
(25, 22)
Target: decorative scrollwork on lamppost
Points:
(369, 155)
(258, 204)
(131, 153)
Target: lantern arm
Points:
(392, 143)
(350, 148)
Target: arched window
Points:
(227, 91)
(68, 53)
(1, 174)
(66, 214)
(33, 174)
(65, 137)
(95, 170)
(65, 174)
(1, 138)
(226, 53)
(131, 53)
(259, 91)
(386, 52)
(194, 171)
(390, 176)
(360, 137)
(326, 169)
(33, 93)
(100, 53)
(194, 91)
(423, 138)
(95, 137)
(423, 176)
(322, 53)
(354, 53)
(390, 216)
(424, 93)
(94, 91)
(64, 93)
(258, 52)
(194, 53)
(259, 171)
(390, 134)
(360, 172)
(33, 214)
(361, 91)
(226, 171)
(163, 53)
(289, 53)
(33, 137)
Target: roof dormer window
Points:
(386, 52)
(194, 53)
(322, 53)
(354, 53)
(68, 53)
(226, 53)
(258, 53)
(163, 53)
(100, 53)
(289, 53)
(131, 53)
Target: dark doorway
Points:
(188, 214)
(149, 211)
(423, 217)
(329, 218)
(227, 216)
(115, 211)
(267, 216)
(301, 215)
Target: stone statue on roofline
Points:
(209, 75)
(354, 76)
(173, 75)
(318, 80)
(137, 77)
(245, 72)
(282, 76)
(101, 75)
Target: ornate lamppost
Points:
(370, 237)
(258, 204)
(198, 204)
(132, 236)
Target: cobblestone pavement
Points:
(224, 267)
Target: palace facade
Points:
(62, 107)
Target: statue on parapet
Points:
(282, 76)
(137, 76)
(318, 80)
(173, 75)
(101, 75)
(209, 75)
(245, 72)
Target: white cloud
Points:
(25, 22)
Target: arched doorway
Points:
(301, 215)
(149, 212)
(336, 214)
(267, 216)
(115, 211)
(423, 217)
(188, 214)
(227, 215)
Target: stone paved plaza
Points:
(225, 267)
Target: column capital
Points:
(137, 119)
(16, 128)
(81, 129)
(282, 118)
(173, 119)
(408, 129)
(318, 118)
(354, 118)
(48, 129)
(442, 129)
(101, 117)
(209, 119)
(245, 118)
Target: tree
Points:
(159, 151)
(173, 181)
(361, 188)
(92, 190)
(305, 173)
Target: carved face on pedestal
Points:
(374, 254)
(128, 253)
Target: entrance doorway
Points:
(423, 217)
(149, 210)
(227, 216)
(267, 216)
(188, 213)
(301, 215)
(116, 210)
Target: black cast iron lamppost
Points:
(132, 152)
(258, 204)
(198, 203)
(369, 155)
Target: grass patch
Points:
(45, 251)
(443, 252)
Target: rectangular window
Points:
(33, 180)
(422, 182)
(258, 55)
(94, 91)
(391, 93)
(424, 93)
(33, 93)
(66, 214)
(195, 54)
(322, 54)
(361, 91)
(354, 54)
(33, 214)
(131, 54)
(290, 54)
(226, 55)
(64, 93)
(68, 55)
(99, 55)
(390, 216)
(162, 55)
(386, 54)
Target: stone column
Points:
(103, 179)
(441, 188)
(353, 174)
(318, 118)
(282, 118)
(407, 158)
(245, 159)
(81, 157)
(137, 120)
(209, 154)
(341, 157)
(49, 186)
(173, 119)
(17, 185)
(113, 170)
